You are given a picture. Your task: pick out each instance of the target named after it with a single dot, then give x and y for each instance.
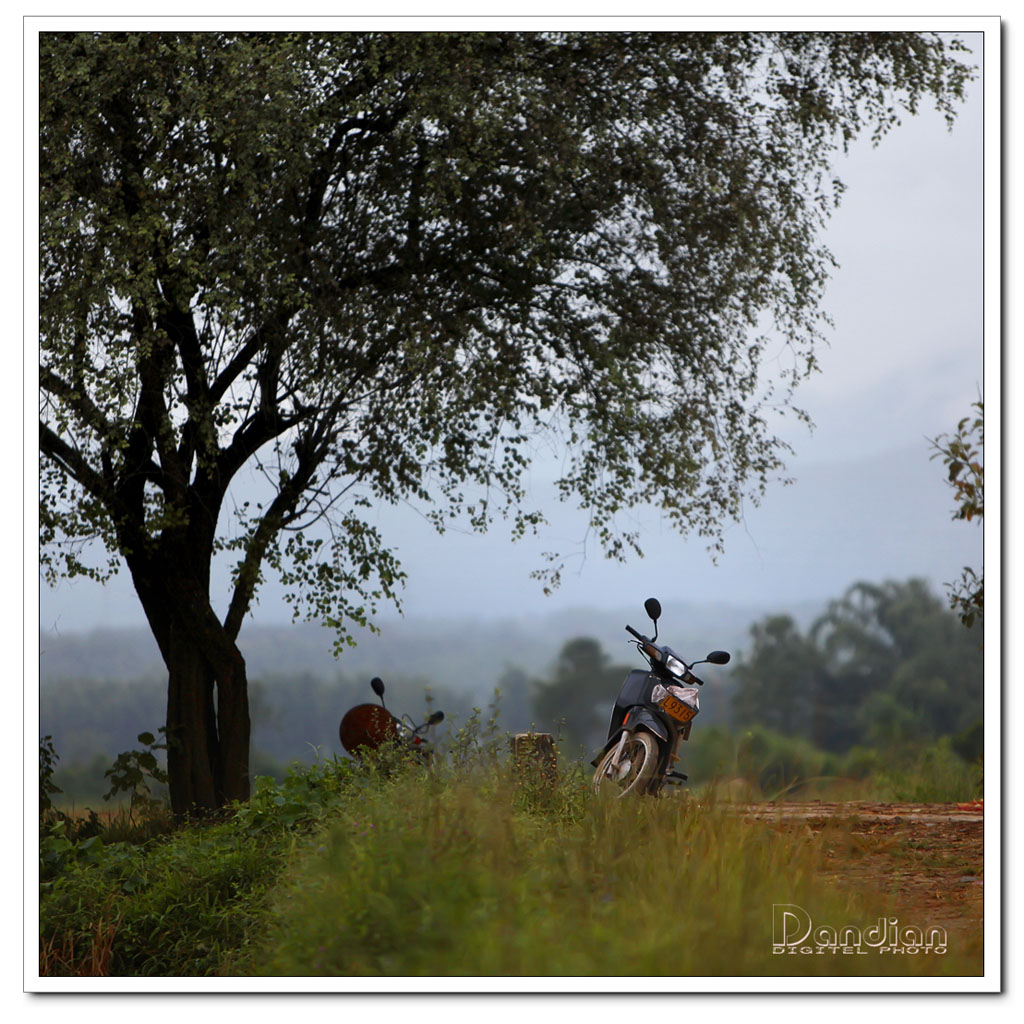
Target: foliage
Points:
(252, 204)
(762, 764)
(381, 267)
(970, 744)
(885, 664)
(575, 700)
(48, 758)
(935, 773)
(963, 454)
(175, 905)
(775, 682)
(135, 771)
(457, 868)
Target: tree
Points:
(884, 663)
(515, 706)
(381, 267)
(964, 454)
(577, 699)
(776, 684)
(897, 666)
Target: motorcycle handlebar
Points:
(639, 636)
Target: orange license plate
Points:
(677, 709)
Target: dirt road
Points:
(928, 858)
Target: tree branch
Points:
(76, 399)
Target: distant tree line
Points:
(886, 664)
(295, 718)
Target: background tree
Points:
(884, 664)
(964, 456)
(777, 683)
(515, 707)
(576, 700)
(378, 267)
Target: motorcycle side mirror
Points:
(653, 608)
(378, 686)
(437, 716)
(719, 657)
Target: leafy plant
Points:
(133, 772)
(48, 758)
(964, 454)
(180, 904)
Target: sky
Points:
(904, 364)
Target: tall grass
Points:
(139, 900)
(463, 868)
(444, 874)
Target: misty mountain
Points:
(99, 689)
(464, 655)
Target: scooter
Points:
(368, 727)
(652, 714)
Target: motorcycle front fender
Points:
(638, 717)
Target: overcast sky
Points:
(904, 365)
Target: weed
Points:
(48, 758)
(457, 873)
(933, 774)
(459, 866)
(134, 771)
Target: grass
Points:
(138, 900)
(462, 869)
(460, 876)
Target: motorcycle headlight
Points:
(675, 666)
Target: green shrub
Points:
(48, 758)
(178, 903)
(930, 774)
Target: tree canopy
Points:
(575, 700)
(387, 267)
(884, 664)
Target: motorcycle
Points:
(652, 714)
(368, 727)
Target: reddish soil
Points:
(927, 858)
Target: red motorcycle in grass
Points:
(370, 726)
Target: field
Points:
(474, 885)
(473, 871)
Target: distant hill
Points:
(464, 655)
(98, 690)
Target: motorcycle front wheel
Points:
(635, 767)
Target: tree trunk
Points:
(193, 752)
(208, 723)
(232, 720)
